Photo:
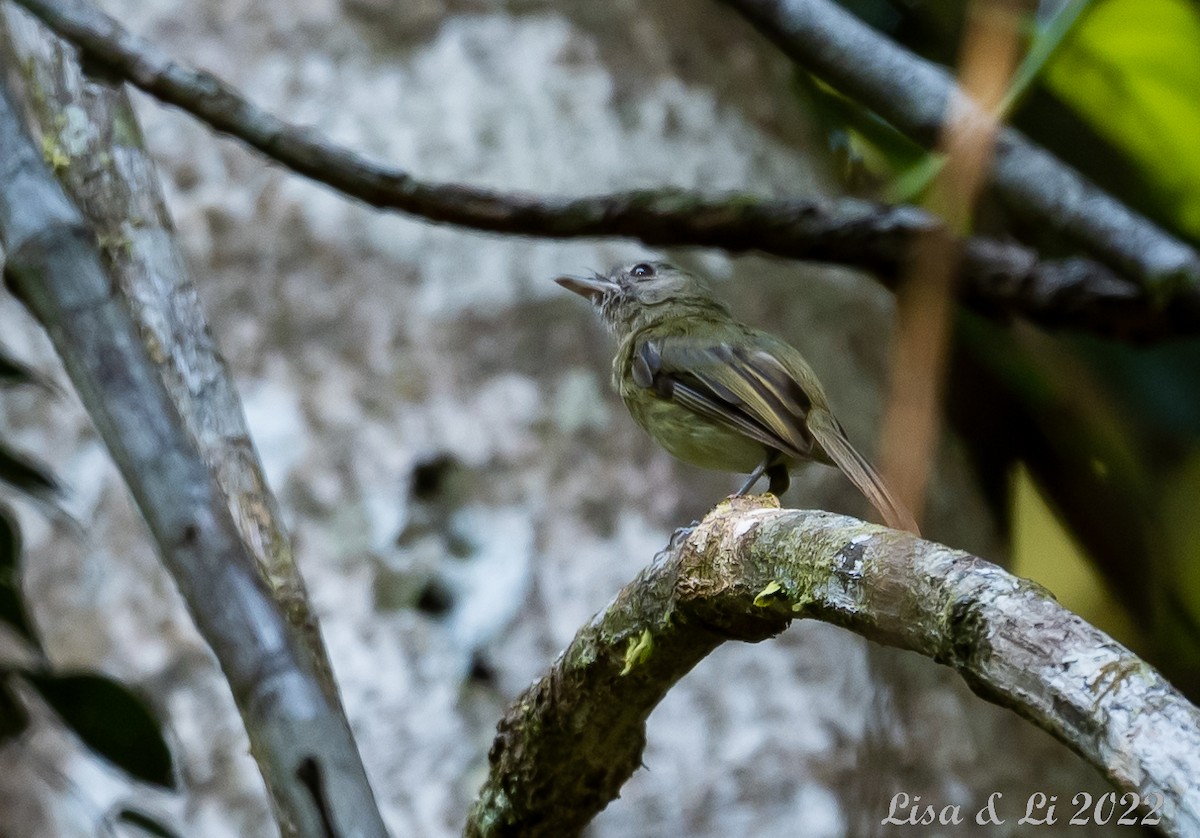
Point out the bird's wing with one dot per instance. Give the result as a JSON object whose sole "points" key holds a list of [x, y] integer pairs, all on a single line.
{"points": [[832, 439], [751, 391], [746, 388]]}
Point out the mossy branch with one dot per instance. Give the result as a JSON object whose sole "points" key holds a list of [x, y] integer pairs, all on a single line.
{"points": [[299, 737], [565, 746], [104, 166]]}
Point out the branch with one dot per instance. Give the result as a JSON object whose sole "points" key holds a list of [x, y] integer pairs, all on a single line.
{"points": [[997, 278], [308, 757], [108, 173], [565, 747], [916, 96]]}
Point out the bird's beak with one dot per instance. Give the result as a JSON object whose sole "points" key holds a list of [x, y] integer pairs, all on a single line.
{"points": [[594, 287]]}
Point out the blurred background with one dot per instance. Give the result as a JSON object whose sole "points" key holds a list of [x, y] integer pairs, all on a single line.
{"points": [[465, 490]]}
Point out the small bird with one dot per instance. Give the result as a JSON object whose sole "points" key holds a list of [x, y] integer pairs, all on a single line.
{"points": [[717, 393]]}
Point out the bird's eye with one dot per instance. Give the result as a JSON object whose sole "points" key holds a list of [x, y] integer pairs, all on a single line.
{"points": [[641, 270]]}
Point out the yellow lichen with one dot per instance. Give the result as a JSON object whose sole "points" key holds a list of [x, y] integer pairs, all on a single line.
{"points": [[55, 157], [638, 651], [766, 593]]}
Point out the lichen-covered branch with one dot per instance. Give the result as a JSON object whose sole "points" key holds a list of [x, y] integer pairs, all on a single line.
{"points": [[302, 742], [917, 97], [996, 277], [104, 166], [566, 746]]}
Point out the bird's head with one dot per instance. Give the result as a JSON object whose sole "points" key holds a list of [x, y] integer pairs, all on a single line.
{"points": [[640, 294]]}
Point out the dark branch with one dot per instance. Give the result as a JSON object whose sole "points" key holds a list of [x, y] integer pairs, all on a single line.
{"points": [[565, 747], [998, 278], [916, 96]]}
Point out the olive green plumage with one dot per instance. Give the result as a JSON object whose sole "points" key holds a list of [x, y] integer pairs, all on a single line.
{"points": [[717, 393]]}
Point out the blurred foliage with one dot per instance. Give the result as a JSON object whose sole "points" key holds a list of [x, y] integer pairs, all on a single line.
{"points": [[1089, 449], [14, 718], [1037, 533], [25, 473], [146, 823], [112, 721], [911, 182], [1131, 69], [18, 470], [1108, 85], [14, 372], [866, 151], [1179, 622], [12, 604]]}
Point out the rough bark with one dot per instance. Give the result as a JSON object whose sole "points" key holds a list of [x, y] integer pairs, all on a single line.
{"points": [[303, 744], [566, 746], [91, 131]]}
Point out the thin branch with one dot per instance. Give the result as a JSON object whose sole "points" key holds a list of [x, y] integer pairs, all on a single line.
{"points": [[565, 747], [916, 96], [304, 746], [997, 278]]}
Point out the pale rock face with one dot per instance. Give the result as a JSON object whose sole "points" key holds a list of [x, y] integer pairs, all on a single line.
{"points": [[435, 416]]}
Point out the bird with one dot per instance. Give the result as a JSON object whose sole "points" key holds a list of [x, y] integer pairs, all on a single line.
{"points": [[718, 393]]}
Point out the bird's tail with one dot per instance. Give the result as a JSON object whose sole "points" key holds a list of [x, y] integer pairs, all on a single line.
{"points": [[832, 439]]}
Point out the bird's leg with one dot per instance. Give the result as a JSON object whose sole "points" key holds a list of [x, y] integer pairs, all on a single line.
{"points": [[778, 474], [754, 475], [773, 466]]}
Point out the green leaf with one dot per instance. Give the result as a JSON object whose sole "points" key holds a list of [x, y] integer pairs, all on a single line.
{"points": [[146, 823], [14, 718], [1131, 69], [1045, 45], [24, 473], [856, 133], [912, 182], [12, 604], [112, 721], [910, 185]]}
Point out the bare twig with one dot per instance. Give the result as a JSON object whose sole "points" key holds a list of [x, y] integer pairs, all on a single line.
{"points": [[915, 96], [569, 742], [998, 278], [309, 759]]}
